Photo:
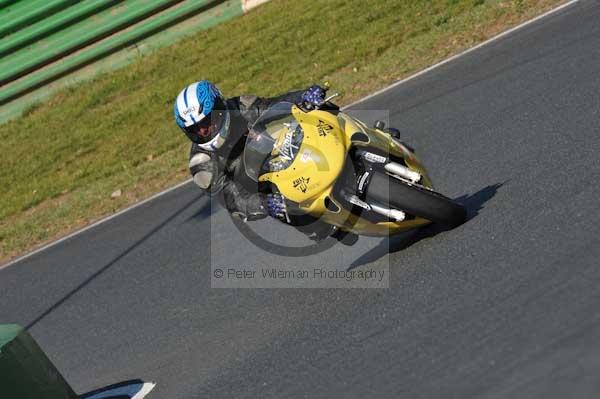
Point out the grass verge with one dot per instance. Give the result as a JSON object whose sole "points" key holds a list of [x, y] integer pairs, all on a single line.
{"points": [[63, 160]]}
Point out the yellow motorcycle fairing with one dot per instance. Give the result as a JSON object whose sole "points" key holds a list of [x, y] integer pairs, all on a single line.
{"points": [[319, 161], [310, 178]]}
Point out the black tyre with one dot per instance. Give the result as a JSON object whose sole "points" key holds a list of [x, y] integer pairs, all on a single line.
{"points": [[415, 200]]}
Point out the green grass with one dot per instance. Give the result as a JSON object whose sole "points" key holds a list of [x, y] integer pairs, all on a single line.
{"points": [[63, 159]]}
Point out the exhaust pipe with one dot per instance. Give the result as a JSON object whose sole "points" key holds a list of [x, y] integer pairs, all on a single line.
{"points": [[402, 171], [395, 214]]}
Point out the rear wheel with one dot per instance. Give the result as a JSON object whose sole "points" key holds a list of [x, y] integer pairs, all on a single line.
{"points": [[415, 200]]}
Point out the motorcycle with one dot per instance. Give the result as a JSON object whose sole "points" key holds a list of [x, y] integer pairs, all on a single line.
{"points": [[331, 166]]}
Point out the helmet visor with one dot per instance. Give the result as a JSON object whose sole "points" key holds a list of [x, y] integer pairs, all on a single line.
{"points": [[213, 124]]}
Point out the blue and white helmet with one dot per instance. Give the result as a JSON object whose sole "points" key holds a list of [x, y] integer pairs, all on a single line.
{"points": [[201, 112]]}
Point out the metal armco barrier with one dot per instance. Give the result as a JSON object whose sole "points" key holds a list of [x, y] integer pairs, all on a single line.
{"points": [[77, 36], [25, 371], [99, 50], [6, 3], [52, 24], [62, 45], [23, 13]]}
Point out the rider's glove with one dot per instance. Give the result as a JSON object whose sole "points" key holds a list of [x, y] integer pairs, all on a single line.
{"points": [[313, 97], [275, 204]]}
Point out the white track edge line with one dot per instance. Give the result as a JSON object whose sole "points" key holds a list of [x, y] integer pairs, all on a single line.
{"points": [[393, 85], [146, 388]]}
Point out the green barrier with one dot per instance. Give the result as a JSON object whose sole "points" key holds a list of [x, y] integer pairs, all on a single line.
{"points": [[101, 49], [52, 24], [28, 94], [126, 56], [79, 35], [24, 13], [5, 3], [25, 371]]}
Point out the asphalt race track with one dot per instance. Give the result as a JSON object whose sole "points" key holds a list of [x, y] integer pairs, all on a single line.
{"points": [[505, 306]]}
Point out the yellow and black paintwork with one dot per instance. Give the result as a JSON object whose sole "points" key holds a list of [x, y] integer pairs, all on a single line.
{"points": [[310, 178]]}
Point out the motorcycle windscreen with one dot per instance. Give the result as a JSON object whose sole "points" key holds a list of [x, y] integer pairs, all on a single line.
{"points": [[273, 141]]}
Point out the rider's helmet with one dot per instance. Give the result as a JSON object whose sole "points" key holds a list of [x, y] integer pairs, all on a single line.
{"points": [[201, 113]]}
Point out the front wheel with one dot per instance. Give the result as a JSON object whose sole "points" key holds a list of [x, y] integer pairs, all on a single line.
{"points": [[415, 200]]}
